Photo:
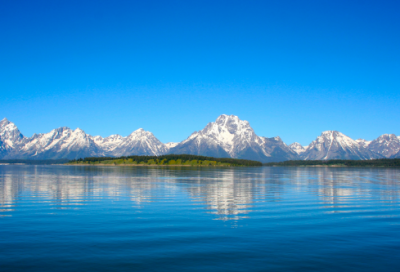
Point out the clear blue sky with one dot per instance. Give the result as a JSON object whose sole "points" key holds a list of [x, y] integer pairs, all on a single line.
{"points": [[291, 68]]}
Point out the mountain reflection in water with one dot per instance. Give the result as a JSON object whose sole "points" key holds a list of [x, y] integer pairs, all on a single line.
{"points": [[229, 193]]}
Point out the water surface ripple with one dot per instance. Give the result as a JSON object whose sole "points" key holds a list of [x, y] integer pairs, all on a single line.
{"points": [[75, 218]]}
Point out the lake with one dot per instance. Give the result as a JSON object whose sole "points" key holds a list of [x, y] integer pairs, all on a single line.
{"points": [[76, 218]]}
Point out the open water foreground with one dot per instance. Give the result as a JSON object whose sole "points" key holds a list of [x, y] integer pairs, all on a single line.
{"points": [[74, 218]]}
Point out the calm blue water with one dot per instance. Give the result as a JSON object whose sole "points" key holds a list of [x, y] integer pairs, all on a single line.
{"points": [[66, 218]]}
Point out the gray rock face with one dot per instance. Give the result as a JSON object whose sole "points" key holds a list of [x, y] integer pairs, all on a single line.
{"points": [[276, 150], [387, 145], [72, 144], [231, 137], [397, 155], [363, 143], [228, 136], [9, 132], [139, 142], [335, 145], [58, 143], [109, 143], [297, 148], [3, 150], [10, 137]]}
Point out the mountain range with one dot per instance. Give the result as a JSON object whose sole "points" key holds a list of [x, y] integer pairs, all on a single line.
{"points": [[228, 136]]}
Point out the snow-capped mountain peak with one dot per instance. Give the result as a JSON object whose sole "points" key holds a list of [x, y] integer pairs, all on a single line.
{"points": [[363, 143], [139, 142], [387, 145], [98, 139], [62, 142], [9, 134], [296, 147], [80, 131], [227, 131], [229, 136], [139, 133], [109, 143], [333, 144]]}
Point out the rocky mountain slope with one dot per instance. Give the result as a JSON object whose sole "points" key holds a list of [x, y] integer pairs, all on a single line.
{"points": [[363, 143], [231, 137], [72, 144], [387, 145], [228, 137], [139, 142], [335, 145], [59, 143], [298, 148], [10, 137]]}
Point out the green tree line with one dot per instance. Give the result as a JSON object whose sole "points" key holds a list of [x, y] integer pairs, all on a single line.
{"points": [[173, 159]]}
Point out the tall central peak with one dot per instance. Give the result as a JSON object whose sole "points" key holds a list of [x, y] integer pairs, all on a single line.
{"points": [[139, 131], [331, 132], [223, 119], [232, 123], [231, 137], [4, 123]]}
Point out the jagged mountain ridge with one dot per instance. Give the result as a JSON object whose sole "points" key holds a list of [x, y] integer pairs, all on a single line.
{"points": [[72, 144], [363, 143], [335, 145], [10, 137], [139, 142], [231, 137], [387, 145], [298, 148], [228, 136], [59, 143]]}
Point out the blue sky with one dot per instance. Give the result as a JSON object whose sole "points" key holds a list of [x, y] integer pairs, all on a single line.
{"points": [[291, 68]]}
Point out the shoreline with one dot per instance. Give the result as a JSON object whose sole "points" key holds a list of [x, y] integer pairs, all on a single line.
{"points": [[361, 166], [148, 165]]}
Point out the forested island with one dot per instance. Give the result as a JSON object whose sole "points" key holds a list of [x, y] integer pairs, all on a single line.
{"points": [[165, 160], [338, 163]]}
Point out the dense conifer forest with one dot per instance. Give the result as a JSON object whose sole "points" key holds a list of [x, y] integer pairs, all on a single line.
{"points": [[360, 163], [184, 160]]}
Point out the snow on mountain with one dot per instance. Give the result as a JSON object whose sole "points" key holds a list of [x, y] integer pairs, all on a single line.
{"points": [[171, 145], [229, 136], [363, 143], [386, 145], [110, 143], [10, 137], [66, 143], [139, 142], [335, 145], [296, 147], [276, 150], [9, 134], [60, 143]]}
